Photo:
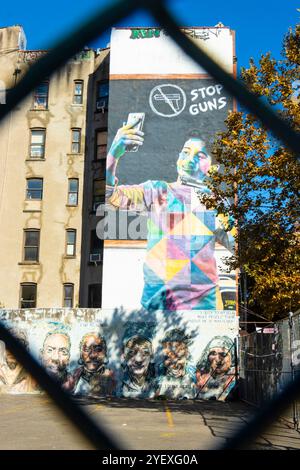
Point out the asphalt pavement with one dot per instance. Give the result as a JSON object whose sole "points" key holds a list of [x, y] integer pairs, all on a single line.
{"points": [[33, 422]]}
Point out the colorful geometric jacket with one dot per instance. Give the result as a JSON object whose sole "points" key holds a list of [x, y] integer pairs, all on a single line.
{"points": [[180, 271]]}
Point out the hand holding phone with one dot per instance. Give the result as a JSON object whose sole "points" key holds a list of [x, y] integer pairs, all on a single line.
{"points": [[136, 122], [129, 137]]}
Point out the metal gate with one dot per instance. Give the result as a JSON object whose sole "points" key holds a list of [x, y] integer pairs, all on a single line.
{"points": [[269, 361]]}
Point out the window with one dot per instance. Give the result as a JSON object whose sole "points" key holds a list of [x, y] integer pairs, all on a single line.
{"points": [[102, 96], [102, 168], [71, 242], [37, 143], [31, 245], [101, 143], [94, 295], [68, 295], [28, 295], [76, 140], [40, 96], [98, 193], [73, 192], [34, 188], [96, 244], [78, 92]]}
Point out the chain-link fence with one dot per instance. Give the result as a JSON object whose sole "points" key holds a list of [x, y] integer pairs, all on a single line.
{"points": [[44, 67], [269, 360]]}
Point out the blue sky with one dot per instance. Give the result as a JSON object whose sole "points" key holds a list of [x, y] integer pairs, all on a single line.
{"points": [[259, 24]]}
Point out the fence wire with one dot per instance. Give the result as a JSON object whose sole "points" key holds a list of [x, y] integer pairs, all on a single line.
{"points": [[268, 362], [52, 61]]}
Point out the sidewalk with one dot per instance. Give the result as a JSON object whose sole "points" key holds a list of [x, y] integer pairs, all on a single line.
{"points": [[33, 422]]}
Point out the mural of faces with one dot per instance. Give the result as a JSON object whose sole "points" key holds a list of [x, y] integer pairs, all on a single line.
{"points": [[93, 352], [11, 361], [7, 357], [137, 356], [13, 377], [220, 360], [176, 352], [92, 377], [55, 354], [145, 369], [215, 371], [176, 380], [175, 357]]}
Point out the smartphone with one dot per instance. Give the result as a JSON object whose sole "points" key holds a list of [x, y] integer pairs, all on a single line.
{"points": [[139, 119]]}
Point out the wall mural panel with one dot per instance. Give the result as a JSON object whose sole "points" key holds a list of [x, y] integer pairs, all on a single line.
{"points": [[163, 118], [94, 353]]}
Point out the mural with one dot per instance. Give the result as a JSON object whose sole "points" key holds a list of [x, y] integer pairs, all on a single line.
{"points": [[13, 377], [92, 377], [55, 355], [164, 113], [180, 271], [105, 353], [139, 379], [216, 369], [177, 378]]}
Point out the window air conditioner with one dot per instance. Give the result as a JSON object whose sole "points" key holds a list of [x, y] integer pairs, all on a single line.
{"points": [[101, 105], [96, 205], [95, 257]]}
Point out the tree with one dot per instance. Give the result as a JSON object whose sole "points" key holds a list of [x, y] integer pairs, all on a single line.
{"points": [[258, 184]]}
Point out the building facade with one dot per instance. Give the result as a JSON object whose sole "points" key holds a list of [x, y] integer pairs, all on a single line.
{"points": [[53, 149], [175, 340]]}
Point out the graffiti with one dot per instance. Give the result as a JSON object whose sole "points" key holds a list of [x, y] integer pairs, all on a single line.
{"points": [[203, 34], [177, 378], [82, 55], [92, 377], [137, 33], [180, 271], [31, 56], [216, 369], [114, 353], [13, 377]]}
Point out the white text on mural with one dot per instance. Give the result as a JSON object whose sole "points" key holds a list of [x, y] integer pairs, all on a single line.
{"points": [[208, 99]]}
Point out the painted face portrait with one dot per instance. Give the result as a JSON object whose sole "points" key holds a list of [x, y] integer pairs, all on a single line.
{"points": [[219, 360], [137, 355], [93, 352], [193, 161], [175, 357], [56, 354], [10, 359]]}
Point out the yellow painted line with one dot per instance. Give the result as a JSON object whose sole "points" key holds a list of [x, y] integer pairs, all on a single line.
{"points": [[167, 434], [97, 408], [169, 417]]}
